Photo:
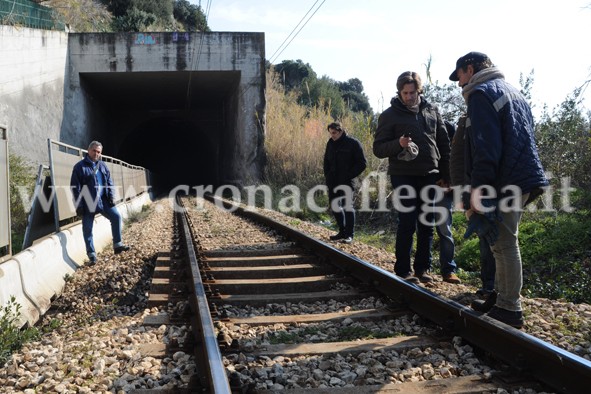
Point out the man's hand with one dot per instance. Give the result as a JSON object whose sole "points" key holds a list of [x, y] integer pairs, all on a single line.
{"points": [[404, 140], [443, 184], [110, 201], [484, 227]]}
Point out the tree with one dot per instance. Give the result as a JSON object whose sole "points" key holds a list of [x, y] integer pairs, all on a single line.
{"points": [[117, 7], [352, 85], [299, 77], [190, 16], [293, 74], [564, 141], [134, 20], [140, 15], [448, 99], [325, 93], [352, 93], [162, 9]]}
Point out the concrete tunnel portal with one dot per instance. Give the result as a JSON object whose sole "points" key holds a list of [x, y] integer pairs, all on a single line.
{"points": [[174, 124], [191, 116]]}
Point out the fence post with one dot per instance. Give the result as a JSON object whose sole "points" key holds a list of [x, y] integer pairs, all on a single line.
{"points": [[5, 235]]}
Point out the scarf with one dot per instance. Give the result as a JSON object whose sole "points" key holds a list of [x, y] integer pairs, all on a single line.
{"points": [[480, 77], [414, 107]]}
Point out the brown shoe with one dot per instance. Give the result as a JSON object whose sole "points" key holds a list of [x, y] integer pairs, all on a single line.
{"points": [[424, 277], [452, 278]]}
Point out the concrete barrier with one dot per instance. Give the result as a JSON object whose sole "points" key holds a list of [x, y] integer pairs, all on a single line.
{"points": [[37, 275]]}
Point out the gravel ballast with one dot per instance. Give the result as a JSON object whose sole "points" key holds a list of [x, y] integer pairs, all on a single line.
{"points": [[97, 347]]}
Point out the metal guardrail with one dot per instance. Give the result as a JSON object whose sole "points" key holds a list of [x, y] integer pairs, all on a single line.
{"points": [[29, 14], [5, 238], [130, 181]]}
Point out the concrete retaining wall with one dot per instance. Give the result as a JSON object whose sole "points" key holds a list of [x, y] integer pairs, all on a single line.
{"points": [[36, 275], [32, 70]]}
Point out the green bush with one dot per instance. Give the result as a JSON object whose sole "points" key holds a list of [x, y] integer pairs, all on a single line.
{"points": [[22, 179], [12, 337], [556, 256]]}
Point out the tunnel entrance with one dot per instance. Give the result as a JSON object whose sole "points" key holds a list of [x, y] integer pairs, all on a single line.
{"points": [[179, 125], [175, 151]]}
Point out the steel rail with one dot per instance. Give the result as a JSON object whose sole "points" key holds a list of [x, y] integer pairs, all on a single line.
{"points": [[215, 372], [556, 367]]}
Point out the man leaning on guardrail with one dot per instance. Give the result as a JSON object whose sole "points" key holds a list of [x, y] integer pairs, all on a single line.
{"points": [[94, 192]]}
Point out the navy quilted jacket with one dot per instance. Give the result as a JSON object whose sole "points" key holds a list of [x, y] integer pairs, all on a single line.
{"points": [[500, 139], [84, 178]]}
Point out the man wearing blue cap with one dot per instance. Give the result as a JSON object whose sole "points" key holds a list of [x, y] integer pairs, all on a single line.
{"points": [[502, 165]]}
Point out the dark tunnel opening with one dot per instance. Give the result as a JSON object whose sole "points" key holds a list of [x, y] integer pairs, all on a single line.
{"points": [[180, 126], [175, 151]]}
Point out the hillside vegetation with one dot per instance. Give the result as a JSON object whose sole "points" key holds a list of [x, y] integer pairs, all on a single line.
{"points": [[84, 16]]}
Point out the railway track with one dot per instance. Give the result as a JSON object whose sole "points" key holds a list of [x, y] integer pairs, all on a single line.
{"points": [[290, 313]]}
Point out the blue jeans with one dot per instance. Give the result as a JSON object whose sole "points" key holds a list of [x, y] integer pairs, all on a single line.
{"points": [[419, 219], [113, 216], [446, 240]]}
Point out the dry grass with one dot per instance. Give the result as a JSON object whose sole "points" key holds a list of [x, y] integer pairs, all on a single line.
{"points": [[296, 139]]}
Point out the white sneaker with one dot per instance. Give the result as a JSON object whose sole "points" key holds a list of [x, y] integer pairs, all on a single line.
{"points": [[347, 240]]}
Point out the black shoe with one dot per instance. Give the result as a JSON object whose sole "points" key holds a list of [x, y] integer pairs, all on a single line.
{"points": [[512, 318], [485, 305], [484, 293], [410, 278], [122, 248], [424, 277], [92, 260], [337, 236]]}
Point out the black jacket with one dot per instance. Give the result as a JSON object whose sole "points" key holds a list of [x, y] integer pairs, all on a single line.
{"points": [[343, 161], [457, 166], [426, 129]]}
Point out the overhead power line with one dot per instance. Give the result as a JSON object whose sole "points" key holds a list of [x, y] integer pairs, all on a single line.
{"points": [[195, 58], [283, 45]]}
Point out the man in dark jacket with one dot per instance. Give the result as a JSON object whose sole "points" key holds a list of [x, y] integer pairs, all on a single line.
{"points": [[94, 192], [412, 135], [503, 170], [343, 161]]}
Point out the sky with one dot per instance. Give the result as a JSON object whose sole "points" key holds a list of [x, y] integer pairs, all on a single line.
{"points": [[377, 40]]}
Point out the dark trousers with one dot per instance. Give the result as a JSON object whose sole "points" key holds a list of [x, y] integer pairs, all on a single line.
{"points": [[341, 205], [419, 219], [487, 265], [446, 240]]}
